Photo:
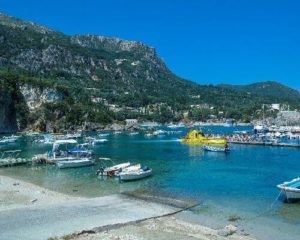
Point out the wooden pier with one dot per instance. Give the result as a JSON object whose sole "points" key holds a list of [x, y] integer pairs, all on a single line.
{"points": [[8, 162], [267, 144], [10, 158]]}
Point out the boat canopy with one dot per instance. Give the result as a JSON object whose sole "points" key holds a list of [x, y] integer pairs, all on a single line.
{"points": [[77, 150], [57, 143], [66, 141]]}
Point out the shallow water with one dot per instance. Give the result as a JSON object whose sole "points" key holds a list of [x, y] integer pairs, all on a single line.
{"points": [[242, 182]]}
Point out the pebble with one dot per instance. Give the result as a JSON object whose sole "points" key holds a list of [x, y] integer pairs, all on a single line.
{"points": [[227, 230]]}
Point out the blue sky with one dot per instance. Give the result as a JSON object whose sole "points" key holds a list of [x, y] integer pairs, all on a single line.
{"points": [[207, 41]]}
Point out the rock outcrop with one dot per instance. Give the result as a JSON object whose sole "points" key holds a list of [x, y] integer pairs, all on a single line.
{"points": [[35, 97], [8, 122]]}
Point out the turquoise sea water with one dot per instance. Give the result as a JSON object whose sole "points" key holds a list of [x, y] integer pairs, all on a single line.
{"points": [[242, 182]]}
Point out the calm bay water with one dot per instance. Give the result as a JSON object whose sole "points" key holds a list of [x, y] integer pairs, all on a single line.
{"points": [[242, 182]]}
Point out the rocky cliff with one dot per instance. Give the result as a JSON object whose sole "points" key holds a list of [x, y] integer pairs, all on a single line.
{"points": [[35, 96], [8, 121]]}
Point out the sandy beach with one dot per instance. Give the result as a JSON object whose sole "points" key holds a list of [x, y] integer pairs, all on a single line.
{"points": [[17, 195]]}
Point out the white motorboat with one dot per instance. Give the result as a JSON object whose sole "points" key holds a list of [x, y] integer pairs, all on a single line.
{"points": [[74, 163], [291, 189], [11, 139], [138, 173], [159, 132], [216, 148], [133, 133], [148, 135], [179, 125], [113, 170], [73, 135], [103, 134], [99, 141], [117, 133]]}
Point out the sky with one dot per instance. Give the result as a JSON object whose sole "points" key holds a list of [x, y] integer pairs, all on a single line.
{"points": [[206, 41]]}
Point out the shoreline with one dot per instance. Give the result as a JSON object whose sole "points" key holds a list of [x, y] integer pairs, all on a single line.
{"points": [[18, 195], [124, 127]]}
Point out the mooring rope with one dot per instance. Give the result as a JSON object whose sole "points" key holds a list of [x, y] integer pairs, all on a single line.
{"points": [[268, 210]]}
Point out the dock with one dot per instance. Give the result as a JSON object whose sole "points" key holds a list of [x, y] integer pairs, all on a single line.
{"points": [[10, 158], [266, 144], [8, 162]]}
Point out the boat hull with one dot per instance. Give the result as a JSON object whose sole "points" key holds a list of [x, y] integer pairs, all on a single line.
{"points": [[135, 176], [292, 196], [215, 149], [74, 163], [291, 190]]}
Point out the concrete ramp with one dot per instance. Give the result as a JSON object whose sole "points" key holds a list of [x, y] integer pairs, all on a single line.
{"points": [[56, 220]]}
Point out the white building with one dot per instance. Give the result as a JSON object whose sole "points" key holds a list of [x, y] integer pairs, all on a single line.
{"points": [[131, 121]]}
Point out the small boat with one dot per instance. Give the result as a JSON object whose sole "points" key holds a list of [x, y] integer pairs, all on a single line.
{"points": [[291, 189], [216, 148], [11, 139], [149, 135], [180, 125], [99, 141], [133, 133], [103, 134], [62, 152], [113, 170], [74, 163], [140, 173], [117, 132], [159, 132], [73, 135]]}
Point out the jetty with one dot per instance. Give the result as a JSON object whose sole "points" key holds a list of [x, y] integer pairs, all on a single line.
{"points": [[9, 158], [270, 144]]}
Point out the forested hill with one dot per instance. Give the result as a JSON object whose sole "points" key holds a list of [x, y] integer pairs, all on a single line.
{"points": [[270, 89], [66, 81]]}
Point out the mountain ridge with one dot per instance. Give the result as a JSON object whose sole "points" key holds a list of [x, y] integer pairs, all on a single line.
{"points": [[267, 88]]}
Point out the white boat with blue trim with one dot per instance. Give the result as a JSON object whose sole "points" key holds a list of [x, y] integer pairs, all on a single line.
{"points": [[291, 189]]}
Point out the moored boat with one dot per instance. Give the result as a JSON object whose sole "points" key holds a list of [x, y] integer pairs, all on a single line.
{"points": [[291, 189], [10, 139], [113, 170], [208, 148], [138, 173], [74, 163], [99, 141], [179, 125]]}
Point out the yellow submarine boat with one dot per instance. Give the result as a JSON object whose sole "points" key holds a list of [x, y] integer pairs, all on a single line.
{"points": [[197, 137]]}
